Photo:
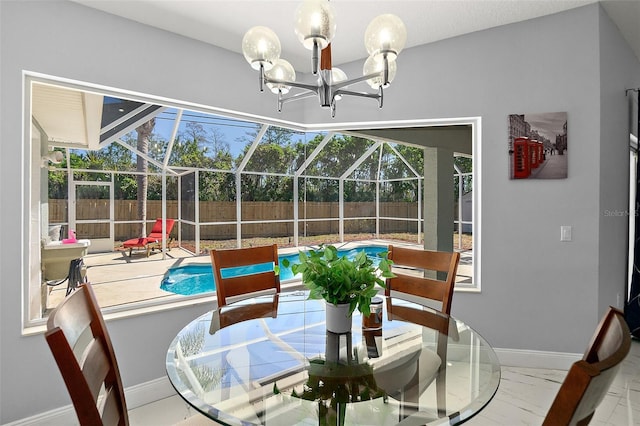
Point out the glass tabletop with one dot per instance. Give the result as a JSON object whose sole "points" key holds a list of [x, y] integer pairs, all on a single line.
{"points": [[270, 360]]}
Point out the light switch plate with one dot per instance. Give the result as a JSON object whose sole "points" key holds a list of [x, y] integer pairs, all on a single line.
{"points": [[565, 233]]}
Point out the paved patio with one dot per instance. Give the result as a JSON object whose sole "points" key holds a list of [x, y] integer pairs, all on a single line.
{"points": [[118, 279]]}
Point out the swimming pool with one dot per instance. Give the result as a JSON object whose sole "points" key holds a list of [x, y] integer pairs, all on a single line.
{"points": [[197, 278]]}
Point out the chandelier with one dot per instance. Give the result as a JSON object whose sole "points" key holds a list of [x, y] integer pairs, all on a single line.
{"points": [[315, 27]]}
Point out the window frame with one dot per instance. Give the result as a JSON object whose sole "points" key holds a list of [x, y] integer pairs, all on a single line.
{"points": [[31, 225]]}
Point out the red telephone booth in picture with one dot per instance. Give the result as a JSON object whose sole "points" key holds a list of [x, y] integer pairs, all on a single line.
{"points": [[521, 162], [533, 154]]}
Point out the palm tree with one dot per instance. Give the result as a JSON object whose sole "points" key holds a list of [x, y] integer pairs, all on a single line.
{"points": [[142, 166]]}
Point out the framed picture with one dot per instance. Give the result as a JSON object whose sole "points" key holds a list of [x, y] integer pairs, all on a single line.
{"points": [[538, 146]]}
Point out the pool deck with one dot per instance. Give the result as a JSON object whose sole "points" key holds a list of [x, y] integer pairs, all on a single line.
{"points": [[118, 279]]}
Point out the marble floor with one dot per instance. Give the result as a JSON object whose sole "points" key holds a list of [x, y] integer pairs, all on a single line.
{"points": [[523, 398]]}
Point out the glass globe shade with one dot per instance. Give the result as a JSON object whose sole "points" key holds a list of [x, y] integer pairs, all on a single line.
{"points": [[314, 21], [376, 65], [281, 70], [385, 34], [261, 45], [337, 75]]}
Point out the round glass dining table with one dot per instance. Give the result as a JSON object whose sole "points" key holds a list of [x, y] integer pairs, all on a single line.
{"points": [[269, 360]]}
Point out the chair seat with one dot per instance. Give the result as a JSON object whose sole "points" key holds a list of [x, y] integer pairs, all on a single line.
{"points": [[145, 243], [138, 242]]}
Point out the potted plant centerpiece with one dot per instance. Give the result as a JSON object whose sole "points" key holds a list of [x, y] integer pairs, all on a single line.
{"points": [[346, 284]]}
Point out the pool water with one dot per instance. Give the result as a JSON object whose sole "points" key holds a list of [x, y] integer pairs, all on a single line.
{"points": [[197, 278]]}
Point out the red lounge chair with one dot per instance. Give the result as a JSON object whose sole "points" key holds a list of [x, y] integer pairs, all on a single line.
{"points": [[152, 241]]}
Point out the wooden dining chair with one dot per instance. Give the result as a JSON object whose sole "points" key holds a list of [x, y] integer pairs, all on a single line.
{"points": [[589, 379], [436, 278], [253, 271], [81, 346]]}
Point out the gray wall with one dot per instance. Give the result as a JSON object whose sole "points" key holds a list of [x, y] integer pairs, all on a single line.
{"points": [[618, 71], [531, 282]]}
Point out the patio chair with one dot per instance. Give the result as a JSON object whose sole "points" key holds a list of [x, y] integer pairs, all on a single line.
{"points": [[239, 272], [81, 346], [438, 288], [589, 379], [151, 241]]}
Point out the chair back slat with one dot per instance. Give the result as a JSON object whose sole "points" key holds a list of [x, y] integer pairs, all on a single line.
{"points": [[74, 318], [95, 367], [605, 347], [250, 281], [417, 286], [111, 411], [439, 261], [81, 346], [595, 392], [245, 256], [236, 286], [424, 282], [589, 379], [435, 321]]}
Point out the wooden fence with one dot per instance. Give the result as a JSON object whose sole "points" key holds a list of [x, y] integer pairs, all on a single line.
{"points": [[213, 211]]}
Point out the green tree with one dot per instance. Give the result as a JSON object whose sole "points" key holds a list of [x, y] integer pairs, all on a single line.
{"points": [[275, 153], [395, 168], [206, 149]]}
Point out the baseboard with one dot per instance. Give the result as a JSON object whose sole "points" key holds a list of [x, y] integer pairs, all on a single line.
{"points": [[136, 396], [536, 359], [148, 392], [59, 416], [161, 388]]}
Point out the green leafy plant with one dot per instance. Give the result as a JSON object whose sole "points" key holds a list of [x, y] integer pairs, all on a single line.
{"points": [[339, 279]]}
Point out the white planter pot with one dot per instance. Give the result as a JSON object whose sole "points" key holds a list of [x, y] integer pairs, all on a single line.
{"points": [[338, 318]]}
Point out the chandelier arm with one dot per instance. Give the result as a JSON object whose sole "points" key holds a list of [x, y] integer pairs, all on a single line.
{"points": [[310, 87], [349, 82], [376, 96], [297, 97]]}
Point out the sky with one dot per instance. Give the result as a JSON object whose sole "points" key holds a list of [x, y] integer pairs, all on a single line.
{"points": [[231, 129], [547, 124]]}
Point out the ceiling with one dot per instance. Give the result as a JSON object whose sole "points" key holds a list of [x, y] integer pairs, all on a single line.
{"points": [[224, 22], [68, 117]]}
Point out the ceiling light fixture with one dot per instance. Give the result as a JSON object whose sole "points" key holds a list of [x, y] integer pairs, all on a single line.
{"points": [[315, 27]]}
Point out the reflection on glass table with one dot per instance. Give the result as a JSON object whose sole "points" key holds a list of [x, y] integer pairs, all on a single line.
{"points": [[270, 360]]}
